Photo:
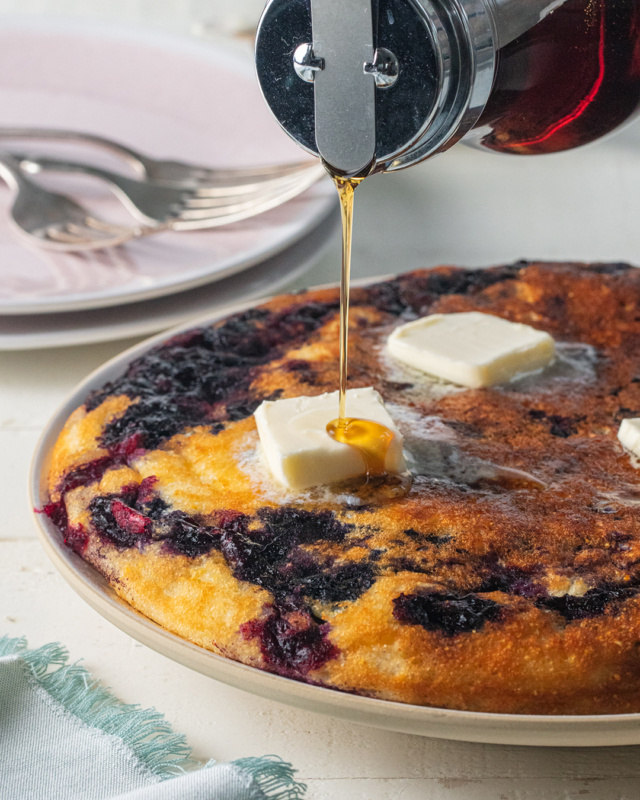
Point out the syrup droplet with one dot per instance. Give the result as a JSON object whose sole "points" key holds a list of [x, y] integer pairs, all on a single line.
{"points": [[371, 439]]}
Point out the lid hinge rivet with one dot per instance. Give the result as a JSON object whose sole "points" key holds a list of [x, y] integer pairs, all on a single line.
{"points": [[385, 68], [306, 64]]}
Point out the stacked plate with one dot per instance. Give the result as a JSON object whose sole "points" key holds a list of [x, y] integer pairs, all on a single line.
{"points": [[171, 98]]}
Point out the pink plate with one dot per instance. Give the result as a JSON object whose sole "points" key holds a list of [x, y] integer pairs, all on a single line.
{"points": [[170, 97]]}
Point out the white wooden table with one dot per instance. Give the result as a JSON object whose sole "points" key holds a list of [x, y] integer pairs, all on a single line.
{"points": [[462, 208]]}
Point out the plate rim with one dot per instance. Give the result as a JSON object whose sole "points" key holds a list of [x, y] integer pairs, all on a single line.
{"points": [[212, 51], [606, 730]]}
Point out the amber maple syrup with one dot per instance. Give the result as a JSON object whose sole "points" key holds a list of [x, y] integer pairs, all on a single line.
{"points": [[371, 439], [569, 80]]}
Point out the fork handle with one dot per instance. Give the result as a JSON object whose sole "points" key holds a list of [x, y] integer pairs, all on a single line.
{"points": [[134, 159], [59, 165]]}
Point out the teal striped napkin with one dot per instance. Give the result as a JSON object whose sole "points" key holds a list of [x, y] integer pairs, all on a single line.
{"points": [[64, 737]]}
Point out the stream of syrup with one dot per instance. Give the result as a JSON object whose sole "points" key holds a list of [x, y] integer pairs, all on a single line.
{"points": [[371, 439]]}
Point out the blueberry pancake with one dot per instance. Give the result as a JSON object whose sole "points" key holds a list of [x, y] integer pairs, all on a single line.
{"points": [[507, 579]]}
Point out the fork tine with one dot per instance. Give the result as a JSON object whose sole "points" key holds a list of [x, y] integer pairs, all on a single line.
{"points": [[204, 200], [248, 209], [200, 219], [317, 171], [216, 213], [241, 189], [226, 202], [195, 210], [215, 176], [288, 189]]}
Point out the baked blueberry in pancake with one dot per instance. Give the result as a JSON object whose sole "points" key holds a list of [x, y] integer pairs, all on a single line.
{"points": [[506, 579]]}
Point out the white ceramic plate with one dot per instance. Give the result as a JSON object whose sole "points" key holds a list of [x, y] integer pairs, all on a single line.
{"points": [[37, 331], [557, 731], [169, 97]]}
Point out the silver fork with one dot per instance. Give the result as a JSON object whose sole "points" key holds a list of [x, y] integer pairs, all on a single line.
{"points": [[186, 208], [56, 222], [160, 171]]}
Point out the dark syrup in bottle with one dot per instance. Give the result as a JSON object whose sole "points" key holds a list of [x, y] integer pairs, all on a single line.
{"points": [[569, 80]]}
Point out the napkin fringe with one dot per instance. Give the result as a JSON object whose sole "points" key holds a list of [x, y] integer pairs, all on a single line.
{"points": [[144, 731], [273, 776]]}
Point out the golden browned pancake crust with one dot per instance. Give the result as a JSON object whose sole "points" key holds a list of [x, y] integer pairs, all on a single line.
{"points": [[506, 580]]}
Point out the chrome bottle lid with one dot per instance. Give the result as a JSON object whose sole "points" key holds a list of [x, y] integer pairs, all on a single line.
{"points": [[372, 85], [378, 85]]}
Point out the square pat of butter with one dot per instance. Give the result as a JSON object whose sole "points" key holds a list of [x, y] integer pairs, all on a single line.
{"points": [[299, 451], [470, 348], [629, 435]]}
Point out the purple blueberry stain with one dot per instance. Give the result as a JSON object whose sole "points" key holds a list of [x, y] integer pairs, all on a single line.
{"points": [[291, 642], [198, 376], [447, 613], [592, 604]]}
